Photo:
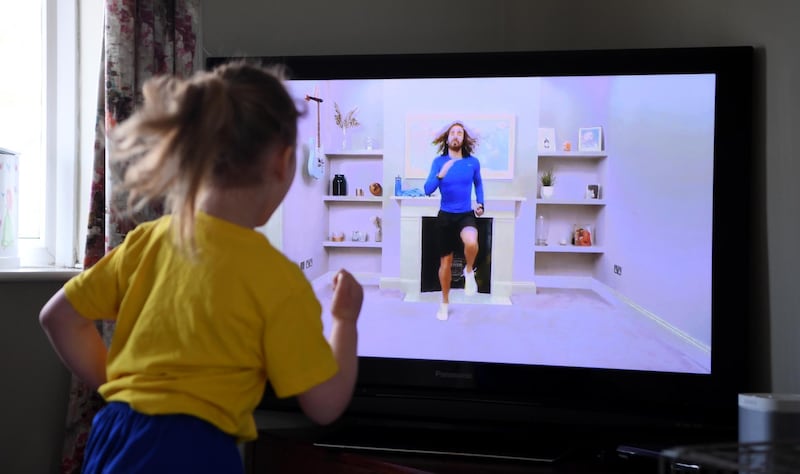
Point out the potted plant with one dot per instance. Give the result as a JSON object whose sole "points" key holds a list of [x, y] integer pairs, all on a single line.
{"points": [[548, 180]]}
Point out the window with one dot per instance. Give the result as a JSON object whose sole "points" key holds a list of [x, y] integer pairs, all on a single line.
{"points": [[47, 111], [22, 106]]}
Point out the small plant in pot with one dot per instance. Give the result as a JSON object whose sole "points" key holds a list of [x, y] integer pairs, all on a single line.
{"points": [[548, 180]]}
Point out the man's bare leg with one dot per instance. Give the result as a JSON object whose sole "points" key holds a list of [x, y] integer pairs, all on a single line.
{"points": [[445, 276], [469, 235]]}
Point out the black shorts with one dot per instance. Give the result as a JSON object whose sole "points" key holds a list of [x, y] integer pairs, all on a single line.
{"points": [[449, 226]]}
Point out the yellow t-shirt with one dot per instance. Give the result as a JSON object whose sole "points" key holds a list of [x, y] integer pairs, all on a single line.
{"points": [[202, 337]]}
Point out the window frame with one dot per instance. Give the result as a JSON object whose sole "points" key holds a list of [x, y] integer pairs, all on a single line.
{"points": [[58, 244]]}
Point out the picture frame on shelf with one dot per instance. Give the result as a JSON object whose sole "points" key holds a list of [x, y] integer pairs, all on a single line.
{"points": [[590, 139], [593, 191], [547, 140], [583, 235]]}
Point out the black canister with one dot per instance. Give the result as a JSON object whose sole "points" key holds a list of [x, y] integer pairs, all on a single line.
{"points": [[339, 185]]}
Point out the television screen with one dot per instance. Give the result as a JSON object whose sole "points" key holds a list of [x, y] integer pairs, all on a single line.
{"points": [[617, 284], [612, 271]]}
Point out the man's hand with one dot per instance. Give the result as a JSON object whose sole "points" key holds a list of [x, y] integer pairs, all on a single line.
{"points": [[445, 168], [479, 210]]}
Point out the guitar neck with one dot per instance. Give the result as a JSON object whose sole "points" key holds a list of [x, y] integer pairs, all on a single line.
{"points": [[318, 137]]}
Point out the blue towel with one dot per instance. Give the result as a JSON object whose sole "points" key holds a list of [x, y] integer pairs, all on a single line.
{"points": [[415, 192]]}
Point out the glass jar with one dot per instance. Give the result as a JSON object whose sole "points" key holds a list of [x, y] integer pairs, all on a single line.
{"points": [[339, 185]]}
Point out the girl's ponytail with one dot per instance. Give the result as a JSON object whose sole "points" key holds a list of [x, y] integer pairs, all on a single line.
{"points": [[209, 130]]}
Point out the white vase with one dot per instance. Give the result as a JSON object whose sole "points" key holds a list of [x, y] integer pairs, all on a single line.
{"points": [[547, 192]]}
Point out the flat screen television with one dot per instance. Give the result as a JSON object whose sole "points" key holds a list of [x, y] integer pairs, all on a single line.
{"points": [[614, 309]]}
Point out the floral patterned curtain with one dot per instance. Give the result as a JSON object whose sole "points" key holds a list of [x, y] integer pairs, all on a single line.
{"points": [[142, 38]]}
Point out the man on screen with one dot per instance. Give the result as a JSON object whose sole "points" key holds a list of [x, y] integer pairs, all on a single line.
{"points": [[454, 172]]}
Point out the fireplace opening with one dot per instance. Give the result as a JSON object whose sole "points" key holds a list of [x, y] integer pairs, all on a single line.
{"points": [[429, 271]]}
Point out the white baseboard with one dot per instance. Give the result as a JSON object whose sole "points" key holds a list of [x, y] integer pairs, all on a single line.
{"points": [[609, 293]]}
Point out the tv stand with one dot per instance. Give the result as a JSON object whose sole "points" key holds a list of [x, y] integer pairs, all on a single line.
{"points": [[402, 446], [383, 436], [543, 455], [277, 453]]}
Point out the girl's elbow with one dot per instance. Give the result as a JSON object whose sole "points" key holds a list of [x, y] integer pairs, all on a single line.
{"points": [[324, 415], [324, 419], [46, 318]]}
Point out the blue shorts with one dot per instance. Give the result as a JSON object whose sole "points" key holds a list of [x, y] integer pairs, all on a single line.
{"points": [[125, 441]]}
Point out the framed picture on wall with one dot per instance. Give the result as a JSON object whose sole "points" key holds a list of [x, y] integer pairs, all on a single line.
{"points": [[494, 135], [590, 139]]}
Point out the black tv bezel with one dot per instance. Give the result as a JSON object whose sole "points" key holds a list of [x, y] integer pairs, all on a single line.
{"points": [[505, 392]]}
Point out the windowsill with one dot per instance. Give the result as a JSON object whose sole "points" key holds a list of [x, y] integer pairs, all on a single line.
{"points": [[44, 273]]}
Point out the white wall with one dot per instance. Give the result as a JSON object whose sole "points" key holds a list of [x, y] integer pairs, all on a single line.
{"points": [[363, 26]]}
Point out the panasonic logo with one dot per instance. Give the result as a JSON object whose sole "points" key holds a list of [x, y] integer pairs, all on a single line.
{"points": [[453, 375]]}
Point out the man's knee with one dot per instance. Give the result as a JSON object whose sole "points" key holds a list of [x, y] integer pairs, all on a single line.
{"points": [[470, 240]]}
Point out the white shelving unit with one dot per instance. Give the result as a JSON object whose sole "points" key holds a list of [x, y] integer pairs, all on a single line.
{"points": [[575, 155], [569, 207], [569, 248], [353, 245], [570, 202], [376, 199], [354, 213], [355, 154]]}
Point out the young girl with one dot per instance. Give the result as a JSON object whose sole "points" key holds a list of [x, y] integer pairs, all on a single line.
{"points": [[206, 309]]}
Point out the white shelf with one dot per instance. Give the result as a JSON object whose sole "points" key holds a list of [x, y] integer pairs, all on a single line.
{"points": [[571, 202], [353, 244], [355, 154], [561, 210], [574, 154], [375, 199], [363, 166], [556, 248]]}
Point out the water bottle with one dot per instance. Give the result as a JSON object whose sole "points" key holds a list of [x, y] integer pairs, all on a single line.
{"points": [[398, 185], [541, 231]]}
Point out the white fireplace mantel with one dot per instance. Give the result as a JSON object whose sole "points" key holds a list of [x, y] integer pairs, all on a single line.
{"points": [[433, 201], [503, 211]]}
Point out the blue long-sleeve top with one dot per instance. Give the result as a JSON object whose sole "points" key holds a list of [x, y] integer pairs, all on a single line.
{"points": [[456, 186]]}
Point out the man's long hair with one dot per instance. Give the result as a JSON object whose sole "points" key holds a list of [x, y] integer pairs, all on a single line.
{"points": [[469, 144]]}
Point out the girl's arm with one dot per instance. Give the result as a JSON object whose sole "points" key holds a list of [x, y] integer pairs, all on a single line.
{"points": [[325, 402], [75, 339]]}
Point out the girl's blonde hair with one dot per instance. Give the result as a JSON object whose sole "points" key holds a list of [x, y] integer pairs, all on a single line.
{"points": [[212, 129]]}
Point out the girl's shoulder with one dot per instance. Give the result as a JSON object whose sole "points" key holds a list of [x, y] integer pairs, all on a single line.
{"points": [[145, 232]]}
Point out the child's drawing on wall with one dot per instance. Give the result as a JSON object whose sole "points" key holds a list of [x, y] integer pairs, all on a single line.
{"points": [[6, 230]]}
